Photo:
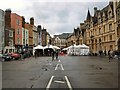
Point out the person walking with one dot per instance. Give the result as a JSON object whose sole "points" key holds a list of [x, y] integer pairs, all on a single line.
{"points": [[53, 55], [56, 55], [110, 55], [105, 53]]}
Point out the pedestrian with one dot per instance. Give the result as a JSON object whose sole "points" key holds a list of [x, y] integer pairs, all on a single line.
{"points": [[110, 55], [53, 55], [35, 53], [56, 55], [22, 53], [105, 53]]}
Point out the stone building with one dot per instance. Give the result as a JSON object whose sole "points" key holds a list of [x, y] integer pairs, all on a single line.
{"points": [[117, 10], [61, 40], [44, 37], [35, 32], [39, 30], [101, 29]]}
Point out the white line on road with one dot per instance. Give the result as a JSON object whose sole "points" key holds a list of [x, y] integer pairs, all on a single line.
{"points": [[56, 67], [59, 81], [48, 86], [68, 83], [59, 60], [62, 66]]}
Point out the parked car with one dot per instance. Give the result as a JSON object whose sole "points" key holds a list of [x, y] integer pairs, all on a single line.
{"points": [[6, 57], [15, 55]]}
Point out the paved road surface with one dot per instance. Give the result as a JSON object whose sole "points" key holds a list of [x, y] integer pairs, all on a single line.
{"points": [[67, 72]]}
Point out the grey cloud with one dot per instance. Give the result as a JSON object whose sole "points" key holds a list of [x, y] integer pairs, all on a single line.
{"points": [[61, 17]]}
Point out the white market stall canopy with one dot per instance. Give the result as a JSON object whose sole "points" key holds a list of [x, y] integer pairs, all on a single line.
{"points": [[55, 47], [84, 46], [65, 49], [49, 46], [38, 47], [78, 50]]}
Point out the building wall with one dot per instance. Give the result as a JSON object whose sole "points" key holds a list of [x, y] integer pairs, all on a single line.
{"points": [[35, 35], [26, 36], [48, 39], [44, 37], [71, 40], [102, 36], [2, 25], [30, 30], [118, 25], [16, 24]]}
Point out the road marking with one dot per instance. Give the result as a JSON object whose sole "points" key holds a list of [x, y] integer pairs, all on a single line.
{"points": [[62, 66], [59, 81], [68, 83], [59, 60], [56, 67], [48, 86]]}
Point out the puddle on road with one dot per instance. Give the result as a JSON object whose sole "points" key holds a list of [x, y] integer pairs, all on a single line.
{"points": [[96, 67]]}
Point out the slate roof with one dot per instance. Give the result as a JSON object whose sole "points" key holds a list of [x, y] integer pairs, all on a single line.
{"points": [[62, 36]]}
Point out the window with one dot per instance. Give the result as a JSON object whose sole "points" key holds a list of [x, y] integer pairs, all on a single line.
{"points": [[10, 42], [10, 34], [110, 27], [18, 40], [18, 22], [18, 31], [104, 29], [99, 31], [110, 14], [110, 37], [111, 46], [104, 38], [117, 32]]}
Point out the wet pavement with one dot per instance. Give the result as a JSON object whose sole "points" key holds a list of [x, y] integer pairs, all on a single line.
{"points": [[67, 72]]}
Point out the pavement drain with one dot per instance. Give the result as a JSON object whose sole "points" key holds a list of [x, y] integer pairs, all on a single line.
{"points": [[33, 78], [96, 67], [31, 86]]}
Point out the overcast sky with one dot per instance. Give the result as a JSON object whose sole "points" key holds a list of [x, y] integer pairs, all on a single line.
{"points": [[57, 16]]}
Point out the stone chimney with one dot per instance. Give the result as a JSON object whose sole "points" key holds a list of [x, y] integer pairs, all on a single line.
{"points": [[95, 9], [8, 18], [32, 21], [23, 21]]}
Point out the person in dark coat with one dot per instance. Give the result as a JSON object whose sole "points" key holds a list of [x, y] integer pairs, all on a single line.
{"points": [[110, 54], [105, 53], [53, 55], [56, 55]]}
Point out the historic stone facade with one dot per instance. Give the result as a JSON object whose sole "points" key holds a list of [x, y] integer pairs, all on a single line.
{"points": [[118, 23], [101, 29], [60, 40]]}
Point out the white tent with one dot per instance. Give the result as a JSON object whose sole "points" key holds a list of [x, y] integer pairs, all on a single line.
{"points": [[84, 46], [49, 47], [72, 50], [55, 47], [65, 49], [38, 47], [78, 50], [84, 50]]}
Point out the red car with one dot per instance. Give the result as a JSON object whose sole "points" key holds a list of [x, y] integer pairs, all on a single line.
{"points": [[15, 55]]}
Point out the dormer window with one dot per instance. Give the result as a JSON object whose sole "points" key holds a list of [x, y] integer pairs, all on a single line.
{"points": [[110, 14]]}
